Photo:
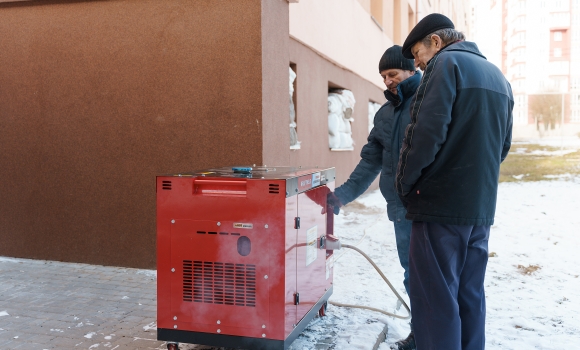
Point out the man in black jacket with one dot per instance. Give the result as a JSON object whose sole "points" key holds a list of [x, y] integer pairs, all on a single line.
{"points": [[381, 155], [447, 177]]}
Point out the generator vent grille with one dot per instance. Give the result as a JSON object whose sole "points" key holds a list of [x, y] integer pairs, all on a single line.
{"points": [[274, 188], [219, 283], [166, 185]]}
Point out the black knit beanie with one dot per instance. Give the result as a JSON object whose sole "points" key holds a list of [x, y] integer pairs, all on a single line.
{"points": [[393, 59], [426, 26]]}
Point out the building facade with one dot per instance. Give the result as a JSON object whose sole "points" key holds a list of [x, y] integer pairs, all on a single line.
{"points": [[541, 59], [99, 97]]}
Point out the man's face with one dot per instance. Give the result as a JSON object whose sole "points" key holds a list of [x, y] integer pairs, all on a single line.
{"points": [[393, 77], [423, 54]]}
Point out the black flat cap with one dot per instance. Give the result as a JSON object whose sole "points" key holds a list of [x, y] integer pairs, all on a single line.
{"points": [[426, 26]]}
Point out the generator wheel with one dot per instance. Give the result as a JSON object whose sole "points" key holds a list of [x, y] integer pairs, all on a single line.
{"points": [[322, 311], [172, 346]]}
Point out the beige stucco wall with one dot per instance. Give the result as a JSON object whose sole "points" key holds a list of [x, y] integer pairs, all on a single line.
{"points": [[343, 32]]}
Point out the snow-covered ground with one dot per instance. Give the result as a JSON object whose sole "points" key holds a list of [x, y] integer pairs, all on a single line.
{"points": [[532, 281], [554, 141]]}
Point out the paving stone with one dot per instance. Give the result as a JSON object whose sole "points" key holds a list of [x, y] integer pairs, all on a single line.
{"points": [[55, 305], [32, 346], [69, 343], [42, 339]]}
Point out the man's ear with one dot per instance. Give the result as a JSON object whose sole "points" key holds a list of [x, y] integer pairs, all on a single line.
{"points": [[436, 41]]}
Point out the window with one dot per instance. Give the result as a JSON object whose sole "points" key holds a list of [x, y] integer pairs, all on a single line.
{"points": [[519, 23], [557, 52], [520, 100], [559, 84], [520, 117], [520, 54], [377, 12], [559, 68], [575, 83], [340, 109], [576, 33], [520, 70], [294, 143], [521, 39], [559, 19], [373, 109], [576, 116], [558, 36]]}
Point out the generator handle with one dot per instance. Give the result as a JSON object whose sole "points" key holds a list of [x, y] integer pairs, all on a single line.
{"points": [[219, 182], [211, 187]]}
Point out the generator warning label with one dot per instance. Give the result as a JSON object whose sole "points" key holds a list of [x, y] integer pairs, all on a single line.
{"points": [[307, 182], [242, 225], [311, 248], [315, 179]]}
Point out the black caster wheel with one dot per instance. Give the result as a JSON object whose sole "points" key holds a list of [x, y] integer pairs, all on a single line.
{"points": [[322, 311], [172, 346]]}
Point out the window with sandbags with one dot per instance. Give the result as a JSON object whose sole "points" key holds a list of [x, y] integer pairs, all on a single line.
{"points": [[341, 103]]}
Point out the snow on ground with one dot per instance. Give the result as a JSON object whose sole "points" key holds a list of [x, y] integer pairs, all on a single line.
{"points": [[537, 228], [532, 281], [562, 152], [553, 141]]}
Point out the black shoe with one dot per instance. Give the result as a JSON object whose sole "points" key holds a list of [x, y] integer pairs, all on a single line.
{"points": [[406, 344]]}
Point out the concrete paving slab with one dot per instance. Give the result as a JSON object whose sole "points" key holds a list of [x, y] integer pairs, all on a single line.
{"points": [[55, 305]]}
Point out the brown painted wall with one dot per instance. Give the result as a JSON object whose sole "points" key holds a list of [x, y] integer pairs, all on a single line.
{"points": [[313, 75], [98, 97]]}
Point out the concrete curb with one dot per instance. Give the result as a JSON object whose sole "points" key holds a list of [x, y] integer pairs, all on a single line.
{"points": [[382, 337]]}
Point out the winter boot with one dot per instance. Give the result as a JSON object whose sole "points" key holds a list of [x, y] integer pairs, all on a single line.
{"points": [[406, 344]]}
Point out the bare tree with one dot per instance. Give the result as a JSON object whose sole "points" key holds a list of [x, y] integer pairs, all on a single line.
{"points": [[546, 109]]}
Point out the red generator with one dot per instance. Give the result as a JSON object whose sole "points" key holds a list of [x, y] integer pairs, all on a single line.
{"points": [[240, 255]]}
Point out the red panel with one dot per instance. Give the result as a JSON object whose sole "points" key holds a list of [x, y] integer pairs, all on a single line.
{"points": [[290, 263], [164, 198], [209, 271], [311, 261]]}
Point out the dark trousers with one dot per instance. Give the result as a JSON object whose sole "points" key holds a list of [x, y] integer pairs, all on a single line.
{"points": [[403, 239], [446, 272]]}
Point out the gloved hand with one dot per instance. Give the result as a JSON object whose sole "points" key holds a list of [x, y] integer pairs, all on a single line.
{"points": [[333, 202]]}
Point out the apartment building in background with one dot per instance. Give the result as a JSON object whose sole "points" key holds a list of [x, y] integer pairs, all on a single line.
{"points": [[541, 59], [99, 97]]}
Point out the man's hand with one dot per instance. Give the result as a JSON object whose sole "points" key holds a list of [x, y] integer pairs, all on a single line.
{"points": [[333, 202]]}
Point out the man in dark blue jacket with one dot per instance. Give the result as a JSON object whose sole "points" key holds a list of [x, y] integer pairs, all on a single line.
{"points": [[381, 154], [447, 177]]}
